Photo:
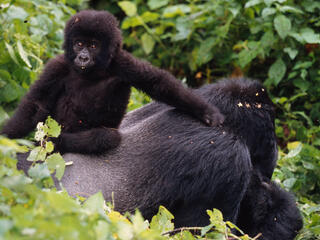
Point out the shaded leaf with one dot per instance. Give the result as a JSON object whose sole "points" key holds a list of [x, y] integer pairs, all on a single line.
{"points": [[39, 171], [277, 71], [291, 52]]}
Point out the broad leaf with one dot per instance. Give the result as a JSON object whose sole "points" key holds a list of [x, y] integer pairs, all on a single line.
{"points": [[128, 7], [277, 71], [147, 43], [283, 25]]}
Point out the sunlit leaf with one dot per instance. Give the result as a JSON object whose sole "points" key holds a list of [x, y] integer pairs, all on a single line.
{"points": [[37, 154], [23, 54], [147, 43], [56, 162], [128, 7], [54, 129]]}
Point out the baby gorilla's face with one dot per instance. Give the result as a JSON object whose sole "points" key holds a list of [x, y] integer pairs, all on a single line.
{"points": [[86, 52]]}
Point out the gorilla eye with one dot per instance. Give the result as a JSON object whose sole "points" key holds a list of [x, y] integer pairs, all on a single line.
{"points": [[80, 44], [93, 45]]}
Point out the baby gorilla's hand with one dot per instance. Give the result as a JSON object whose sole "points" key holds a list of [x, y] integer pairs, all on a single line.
{"points": [[212, 117]]}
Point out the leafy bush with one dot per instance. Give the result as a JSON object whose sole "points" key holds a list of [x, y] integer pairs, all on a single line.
{"points": [[299, 171], [272, 40]]}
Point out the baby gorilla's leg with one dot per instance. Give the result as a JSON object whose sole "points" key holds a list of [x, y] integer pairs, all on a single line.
{"points": [[93, 141]]}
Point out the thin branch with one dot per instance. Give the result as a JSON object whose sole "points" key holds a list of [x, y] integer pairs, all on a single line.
{"points": [[174, 231]]}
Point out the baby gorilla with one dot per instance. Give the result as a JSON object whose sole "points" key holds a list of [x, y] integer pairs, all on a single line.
{"points": [[87, 88]]}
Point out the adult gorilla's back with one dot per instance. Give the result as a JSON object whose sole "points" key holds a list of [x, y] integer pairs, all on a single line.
{"points": [[168, 158]]}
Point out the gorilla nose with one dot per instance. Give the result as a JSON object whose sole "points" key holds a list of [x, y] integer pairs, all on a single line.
{"points": [[84, 58]]}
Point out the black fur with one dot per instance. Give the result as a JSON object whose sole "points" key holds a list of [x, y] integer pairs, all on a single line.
{"points": [[87, 90], [168, 158], [270, 210]]}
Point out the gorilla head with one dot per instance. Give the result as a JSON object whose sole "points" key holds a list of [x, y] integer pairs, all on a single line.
{"points": [[270, 210], [92, 38]]}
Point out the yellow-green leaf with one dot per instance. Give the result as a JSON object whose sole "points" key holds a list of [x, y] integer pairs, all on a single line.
{"points": [[128, 7]]}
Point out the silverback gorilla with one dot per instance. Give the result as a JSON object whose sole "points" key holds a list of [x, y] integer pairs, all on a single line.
{"points": [[168, 158], [87, 89]]}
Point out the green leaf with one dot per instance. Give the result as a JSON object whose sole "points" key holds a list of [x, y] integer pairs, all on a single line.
{"points": [[291, 52], [154, 4], [268, 11], [162, 222], [149, 16], [304, 85], [39, 171], [37, 154], [302, 65], [267, 39], [95, 204], [147, 43], [205, 51], [288, 183], [252, 3], [23, 54], [283, 25], [10, 92], [277, 71], [206, 229], [290, 9], [49, 147], [176, 10], [131, 22], [11, 53], [17, 182], [139, 225], [15, 12], [308, 165], [56, 162], [128, 7], [247, 55], [54, 129], [5, 226], [184, 29], [309, 35], [3, 116], [294, 152]]}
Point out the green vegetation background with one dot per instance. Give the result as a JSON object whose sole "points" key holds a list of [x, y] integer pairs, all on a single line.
{"points": [[275, 41]]}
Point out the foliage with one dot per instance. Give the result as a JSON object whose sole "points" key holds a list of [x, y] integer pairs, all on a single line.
{"points": [[272, 40], [299, 171]]}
